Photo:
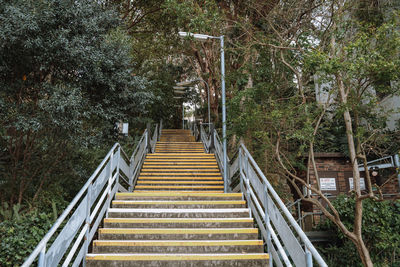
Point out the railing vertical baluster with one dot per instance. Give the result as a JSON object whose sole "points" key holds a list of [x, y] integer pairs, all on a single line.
{"points": [[309, 261], [246, 159], [299, 214], [160, 129], [148, 139], [118, 161], [109, 184], [211, 147], [241, 172], [131, 170], [267, 222], [87, 221], [42, 257]]}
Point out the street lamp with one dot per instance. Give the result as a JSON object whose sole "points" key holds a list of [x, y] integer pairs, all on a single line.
{"points": [[208, 92], [204, 37]]}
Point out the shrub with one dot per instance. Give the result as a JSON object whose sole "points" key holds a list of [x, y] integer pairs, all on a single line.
{"points": [[380, 230]]}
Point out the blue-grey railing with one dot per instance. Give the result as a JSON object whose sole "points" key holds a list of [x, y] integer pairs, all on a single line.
{"points": [[67, 242], [286, 242]]}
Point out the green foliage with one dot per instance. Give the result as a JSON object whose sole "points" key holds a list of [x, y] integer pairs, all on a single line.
{"points": [[380, 230], [20, 236], [65, 79]]}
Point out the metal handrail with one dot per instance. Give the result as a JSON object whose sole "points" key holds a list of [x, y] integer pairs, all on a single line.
{"points": [[154, 139], [251, 178], [81, 218], [204, 138], [286, 242], [137, 159], [89, 207]]}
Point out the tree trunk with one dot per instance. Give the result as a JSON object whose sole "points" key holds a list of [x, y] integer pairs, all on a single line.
{"points": [[358, 209], [362, 250]]}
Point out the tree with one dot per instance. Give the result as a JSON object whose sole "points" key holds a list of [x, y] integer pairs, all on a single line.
{"points": [[65, 78], [354, 57]]}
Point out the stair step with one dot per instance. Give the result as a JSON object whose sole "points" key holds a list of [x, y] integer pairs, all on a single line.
{"points": [[178, 191], [206, 170], [181, 161], [187, 204], [180, 182], [178, 166], [181, 178], [178, 223], [178, 260], [178, 233], [177, 213], [179, 187], [180, 173], [179, 195], [178, 246]]}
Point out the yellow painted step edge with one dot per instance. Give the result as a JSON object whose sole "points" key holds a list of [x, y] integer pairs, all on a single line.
{"points": [[179, 173], [205, 155], [178, 231], [189, 202], [175, 257], [178, 191], [171, 170], [181, 178], [101, 243], [180, 182], [177, 220], [179, 186], [179, 166], [207, 194], [183, 160]]}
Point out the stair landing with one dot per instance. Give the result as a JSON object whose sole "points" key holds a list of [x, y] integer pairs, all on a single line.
{"points": [[178, 214]]}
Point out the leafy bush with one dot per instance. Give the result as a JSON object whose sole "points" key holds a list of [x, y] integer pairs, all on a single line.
{"points": [[381, 233], [18, 237]]}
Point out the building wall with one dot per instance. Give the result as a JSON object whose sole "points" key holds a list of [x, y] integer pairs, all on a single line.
{"points": [[337, 166]]}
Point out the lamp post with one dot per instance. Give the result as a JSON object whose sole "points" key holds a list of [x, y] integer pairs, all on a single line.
{"points": [[208, 93], [204, 37]]}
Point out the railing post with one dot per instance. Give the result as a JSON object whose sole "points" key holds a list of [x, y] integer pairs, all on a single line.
{"points": [[118, 162], [160, 129], [267, 222], [211, 148], [246, 159], [42, 257], [397, 164], [109, 183], [131, 171], [241, 172], [309, 261], [148, 138], [299, 214], [87, 234]]}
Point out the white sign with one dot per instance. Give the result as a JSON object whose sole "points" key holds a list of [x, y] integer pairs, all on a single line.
{"points": [[362, 183], [328, 184], [125, 128]]}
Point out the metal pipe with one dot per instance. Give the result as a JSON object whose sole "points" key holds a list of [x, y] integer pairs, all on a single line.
{"points": [[225, 160], [397, 164]]}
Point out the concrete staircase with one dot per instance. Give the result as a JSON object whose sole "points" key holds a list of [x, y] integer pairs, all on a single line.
{"points": [[178, 215]]}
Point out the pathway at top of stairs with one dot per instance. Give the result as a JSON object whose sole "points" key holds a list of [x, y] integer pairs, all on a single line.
{"points": [[178, 214]]}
